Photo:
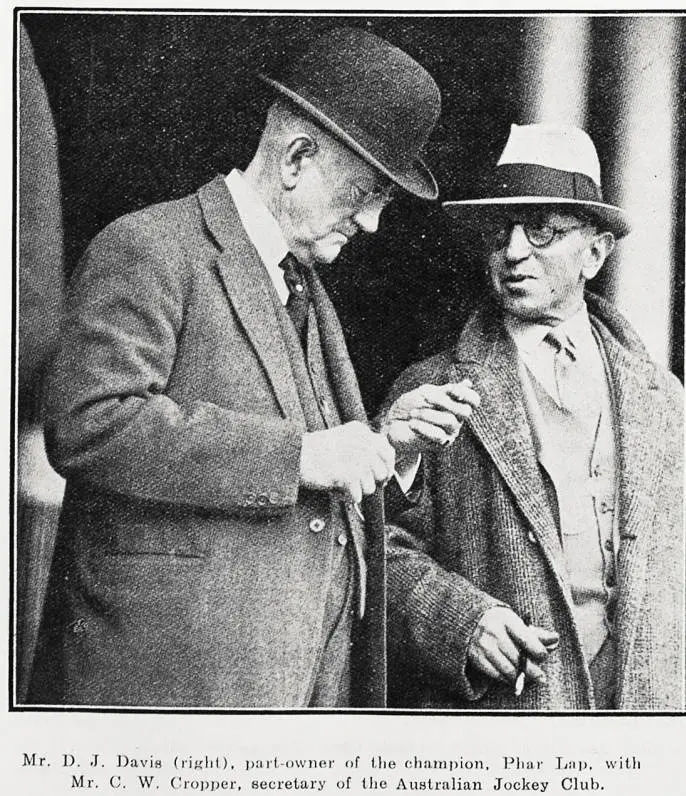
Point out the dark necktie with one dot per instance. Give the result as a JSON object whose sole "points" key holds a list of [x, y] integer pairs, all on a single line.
{"points": [[298, 303]]}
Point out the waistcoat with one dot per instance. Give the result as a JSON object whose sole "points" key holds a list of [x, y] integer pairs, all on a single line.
{"points": [[577, 451], [320, 411]]}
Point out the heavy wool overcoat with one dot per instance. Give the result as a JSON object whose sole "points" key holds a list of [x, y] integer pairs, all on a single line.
{"points": [[190, 568], [486, 532]]}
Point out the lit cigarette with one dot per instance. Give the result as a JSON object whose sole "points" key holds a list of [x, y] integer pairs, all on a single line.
{"points": [[521, 665], [519, 682]]}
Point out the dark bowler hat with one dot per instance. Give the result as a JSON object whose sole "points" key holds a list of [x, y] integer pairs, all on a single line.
{"points": [[547, 164], [372, 96]]}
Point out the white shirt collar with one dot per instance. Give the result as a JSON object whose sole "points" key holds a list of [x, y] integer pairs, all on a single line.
{"points": [[526, 336], [578, 329], [539, 358], [261, 227]]}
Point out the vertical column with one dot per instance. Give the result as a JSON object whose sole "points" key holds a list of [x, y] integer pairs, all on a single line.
{"points": [[641, 286], [555, 70]]}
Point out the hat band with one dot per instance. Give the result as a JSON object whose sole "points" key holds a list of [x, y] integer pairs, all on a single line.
{"points": [[531, 179]]}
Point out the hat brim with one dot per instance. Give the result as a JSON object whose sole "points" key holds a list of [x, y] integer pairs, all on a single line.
{"points": [[613, 218], [416, 179]]}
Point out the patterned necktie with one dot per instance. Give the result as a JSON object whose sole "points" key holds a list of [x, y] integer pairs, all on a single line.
{"points": [[298, 303], [567, 375]]}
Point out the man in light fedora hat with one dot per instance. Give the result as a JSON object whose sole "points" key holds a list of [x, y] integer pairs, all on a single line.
{"points": [[542, 568], [206, 416]]}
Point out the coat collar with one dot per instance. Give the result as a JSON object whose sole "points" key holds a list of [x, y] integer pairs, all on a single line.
{"points": [[251, 292], [642, 428], [336, 354], [487, 355], [639, 402]]}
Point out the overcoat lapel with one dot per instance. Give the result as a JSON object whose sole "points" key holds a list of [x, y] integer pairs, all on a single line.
{"points": [[336, 354], [249, 290], [369, 676], [641, 423], [488, 356]]}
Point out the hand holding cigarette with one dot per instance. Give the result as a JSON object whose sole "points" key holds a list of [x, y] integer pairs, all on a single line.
{"points": [[506, 648], [429, 417]]}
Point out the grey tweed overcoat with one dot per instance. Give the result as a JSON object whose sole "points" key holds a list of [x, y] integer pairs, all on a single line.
{"points": [[190, 568], [486, 532]]}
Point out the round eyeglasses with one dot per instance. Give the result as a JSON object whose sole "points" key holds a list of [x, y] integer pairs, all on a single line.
{"points": [[376, 199], [539, 235]]}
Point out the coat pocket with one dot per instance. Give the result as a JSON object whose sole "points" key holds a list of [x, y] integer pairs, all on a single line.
{"points": [[105, 523], [149, 539]]}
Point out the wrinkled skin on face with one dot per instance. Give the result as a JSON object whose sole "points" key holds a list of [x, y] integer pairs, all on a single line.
{"points": [[544, 284], [335, 194]]}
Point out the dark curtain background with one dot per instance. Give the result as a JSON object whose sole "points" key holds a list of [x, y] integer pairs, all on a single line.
{"points": [[149, 107]]}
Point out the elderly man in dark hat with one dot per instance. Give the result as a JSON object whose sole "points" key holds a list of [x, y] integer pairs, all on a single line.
{"points": [[543, 567], [205, 413]]}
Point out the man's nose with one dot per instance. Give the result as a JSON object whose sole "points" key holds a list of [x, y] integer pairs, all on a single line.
{"points": [[518, 246], [367, 219]]}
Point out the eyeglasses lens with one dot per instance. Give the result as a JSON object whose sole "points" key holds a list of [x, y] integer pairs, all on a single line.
{"points": [[497, 233]]}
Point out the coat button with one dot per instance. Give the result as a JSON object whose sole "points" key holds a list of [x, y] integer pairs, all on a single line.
{"points": [[317, 525], [342, 539], [531, 536]]}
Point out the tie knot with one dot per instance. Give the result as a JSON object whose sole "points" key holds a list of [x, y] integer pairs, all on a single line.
{"points": [[560, 341], [293, 273], [298, 303]]}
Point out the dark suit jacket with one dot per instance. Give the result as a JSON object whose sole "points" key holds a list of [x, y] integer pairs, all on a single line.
{"points": [[190, 569], [486, 532]]}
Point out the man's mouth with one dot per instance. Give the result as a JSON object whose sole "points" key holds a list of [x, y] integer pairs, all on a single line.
{"points": [[516, 278]]}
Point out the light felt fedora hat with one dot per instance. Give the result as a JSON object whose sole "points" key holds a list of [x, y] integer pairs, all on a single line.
{"points": [[547, 164], [371, 96]]}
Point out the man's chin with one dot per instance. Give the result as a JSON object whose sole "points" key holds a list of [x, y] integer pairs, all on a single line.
{"points": [[519, 307]]}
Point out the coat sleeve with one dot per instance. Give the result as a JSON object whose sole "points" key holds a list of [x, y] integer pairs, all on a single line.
{"points": [[432, 611], [108, 419]]}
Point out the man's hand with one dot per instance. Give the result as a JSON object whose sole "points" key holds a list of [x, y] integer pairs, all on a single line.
{"points": [[428, 418], [350, 458], [496, 643]]}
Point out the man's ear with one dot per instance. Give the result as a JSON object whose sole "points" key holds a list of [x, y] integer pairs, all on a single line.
{"points": [[301, 148], [599, 249]]}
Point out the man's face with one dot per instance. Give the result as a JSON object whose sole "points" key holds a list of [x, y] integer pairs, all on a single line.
{"points": [[336, 196], [541, 281]]}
